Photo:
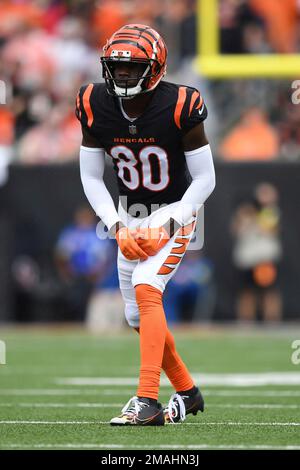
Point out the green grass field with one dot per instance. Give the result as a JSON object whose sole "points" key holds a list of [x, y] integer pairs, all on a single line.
{"points": [[60, 388]]}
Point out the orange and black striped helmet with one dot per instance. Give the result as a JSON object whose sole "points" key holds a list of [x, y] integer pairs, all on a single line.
{"points": [[135, 43]]}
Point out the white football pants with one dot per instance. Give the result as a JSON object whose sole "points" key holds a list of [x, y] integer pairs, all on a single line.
{"points": [[156, 270]]}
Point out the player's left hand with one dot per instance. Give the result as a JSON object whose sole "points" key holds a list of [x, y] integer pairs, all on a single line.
{"points": [[151, 239]]}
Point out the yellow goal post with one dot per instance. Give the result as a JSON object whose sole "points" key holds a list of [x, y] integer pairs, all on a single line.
{"points": [[210, 63]]}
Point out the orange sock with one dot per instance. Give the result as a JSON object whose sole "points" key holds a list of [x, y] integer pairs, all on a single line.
{"points": [[174, 366], [153, 328]]}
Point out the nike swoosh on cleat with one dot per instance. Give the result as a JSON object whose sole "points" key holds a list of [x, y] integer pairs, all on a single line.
{"points": [[201, 110], [148, 420]]}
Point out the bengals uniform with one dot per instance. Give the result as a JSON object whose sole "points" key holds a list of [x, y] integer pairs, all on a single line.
{"points": [[146, 152], [161, 169]]}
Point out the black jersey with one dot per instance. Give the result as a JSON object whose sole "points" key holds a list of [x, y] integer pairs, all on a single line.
{"points": [[147, 152]]}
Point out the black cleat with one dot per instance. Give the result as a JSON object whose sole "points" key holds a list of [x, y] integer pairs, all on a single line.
{"points": [[140, 412], [182, 404]]}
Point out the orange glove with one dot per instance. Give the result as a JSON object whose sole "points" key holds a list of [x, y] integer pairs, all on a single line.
{"points": [[151, 240], [128, 245]]}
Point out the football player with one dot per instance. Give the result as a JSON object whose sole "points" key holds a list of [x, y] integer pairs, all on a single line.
{"points": [[153, 132]]}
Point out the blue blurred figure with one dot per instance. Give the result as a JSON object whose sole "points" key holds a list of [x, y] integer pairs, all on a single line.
{"points": [[190, 294], [83, 261]]}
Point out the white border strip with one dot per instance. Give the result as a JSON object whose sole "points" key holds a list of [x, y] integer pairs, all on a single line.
{"points": [[153, 447], [233, 380]]}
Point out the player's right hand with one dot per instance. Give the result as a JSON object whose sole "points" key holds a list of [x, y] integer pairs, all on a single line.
{"points": [[128, 245]]}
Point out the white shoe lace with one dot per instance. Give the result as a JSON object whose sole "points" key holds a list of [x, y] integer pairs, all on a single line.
{"points": [[176, 405], [133, 406]]}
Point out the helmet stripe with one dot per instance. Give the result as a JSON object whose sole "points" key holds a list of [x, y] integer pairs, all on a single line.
{"points": [[143, 37], [136, 44], [131, 35], [143, 30]]}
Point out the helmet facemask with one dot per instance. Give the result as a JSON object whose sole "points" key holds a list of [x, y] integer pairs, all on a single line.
{"points": [[133, 86]]}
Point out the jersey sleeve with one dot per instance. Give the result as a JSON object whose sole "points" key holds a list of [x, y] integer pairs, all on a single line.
{"points": [[190, 109], [84, 110]]}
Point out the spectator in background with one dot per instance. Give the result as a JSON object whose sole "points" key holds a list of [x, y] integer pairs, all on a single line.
{"points": [[107, 17], [236, 17], [15, 15], [54, 140], [7, 122], [48, 48], [106, 307], [287, 122], [282, 23], [190, 295], [256, 255], [82, 261], [259, 26], [254, 39], [252, 139], [73, 56], [28, 56]]}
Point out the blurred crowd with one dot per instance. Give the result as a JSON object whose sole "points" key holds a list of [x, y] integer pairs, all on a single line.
{"points": [[257, 253], [259, 26], [49, 48], [78, 280], [257, 119]]}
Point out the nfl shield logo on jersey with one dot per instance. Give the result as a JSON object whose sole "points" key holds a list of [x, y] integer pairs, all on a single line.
{"points": [[132, 129]]}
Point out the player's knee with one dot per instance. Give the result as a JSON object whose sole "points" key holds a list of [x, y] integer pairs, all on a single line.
{"points": [[147, 294]]}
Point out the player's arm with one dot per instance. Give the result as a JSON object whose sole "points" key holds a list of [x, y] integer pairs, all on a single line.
{"points": [[194, 139], [92, 164], [200, 164]]}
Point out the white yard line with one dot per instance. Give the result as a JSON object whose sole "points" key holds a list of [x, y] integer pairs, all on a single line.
{"points": [[52, 422], [43, 391], [252, 393], [253, 406], [62, 405], [215, 393], [233, 423], [124, 392], [233, 380], [220, 423], [120, 405]]}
